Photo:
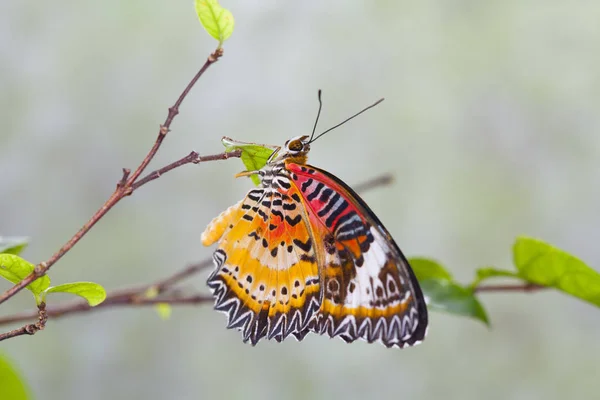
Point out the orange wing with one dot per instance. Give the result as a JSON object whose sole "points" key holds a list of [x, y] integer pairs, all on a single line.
{"points": [[266, 279], [369, 289]]}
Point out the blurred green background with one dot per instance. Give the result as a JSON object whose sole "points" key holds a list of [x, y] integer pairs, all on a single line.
{"points": [[490, 126]]}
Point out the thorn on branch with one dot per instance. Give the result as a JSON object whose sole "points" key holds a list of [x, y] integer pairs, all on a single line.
{"points": [[165, 129], [194, 157], [123, 181], [40, 269]]}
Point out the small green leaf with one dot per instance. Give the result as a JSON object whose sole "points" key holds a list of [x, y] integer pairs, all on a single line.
{"points": [[164, 310], [92, 292], [450, 297], [217, 21], [425, 268], [15, 269], [254, 156], [151, 292], [540, 263], [12, 385], [485, 273], [13, 245]]}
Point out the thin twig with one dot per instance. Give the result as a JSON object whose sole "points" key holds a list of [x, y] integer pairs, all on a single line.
{"points": [[378, 181], [193, 158], [519, 287], [29, 329], [173, 111], [131, 296], [125, 187]]}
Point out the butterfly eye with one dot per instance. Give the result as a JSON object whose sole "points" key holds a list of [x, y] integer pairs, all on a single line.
{"points": [[295, 145]]}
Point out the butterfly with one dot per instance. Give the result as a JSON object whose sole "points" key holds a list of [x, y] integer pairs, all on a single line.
{"points": [[304, 253]]}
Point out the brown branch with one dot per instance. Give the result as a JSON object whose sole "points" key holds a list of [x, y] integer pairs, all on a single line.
{"points": [[137, 295], [29, 329], [125, 187], [519, 287], [164, 289], [131, 296], [193, 158], [375, 182]]}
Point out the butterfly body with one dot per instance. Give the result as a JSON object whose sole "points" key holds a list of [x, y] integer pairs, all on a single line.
{"points": [[303, 253]]}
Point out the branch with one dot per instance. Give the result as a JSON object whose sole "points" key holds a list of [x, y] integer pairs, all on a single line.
{"points": [[519, 287], [29, 329], [375, 182], [193, 158], [131, 296], [137, 296], [125, 187]]}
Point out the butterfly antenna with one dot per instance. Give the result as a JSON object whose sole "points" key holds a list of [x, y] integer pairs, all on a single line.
{"points": [[318, 115], [344, 121]]}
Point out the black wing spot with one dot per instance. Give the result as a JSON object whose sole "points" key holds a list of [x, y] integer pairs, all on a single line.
{"points": [[325, 194], [360, 261], [329, 244], [277, 213], [315, 192], [305, 246], [307, 258], [306, 185], [254, 235], [295, 221], [284, 184], [289, 206]]}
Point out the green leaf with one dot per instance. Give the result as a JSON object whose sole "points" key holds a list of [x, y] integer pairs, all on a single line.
{"points": [[425, 268], [254, 156], [217, 21], [540, 263], [443, 294], [164, 310], [450, 297], [15, 269], [12, 385], [13, 245], [485, 273], [92, 292]]}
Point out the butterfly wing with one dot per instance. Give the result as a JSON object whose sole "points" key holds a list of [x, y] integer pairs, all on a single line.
{"points": [[369, 289], [266, 278]]}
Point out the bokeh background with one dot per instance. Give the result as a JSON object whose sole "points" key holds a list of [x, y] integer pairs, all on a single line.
{"points": [[490, 126]]}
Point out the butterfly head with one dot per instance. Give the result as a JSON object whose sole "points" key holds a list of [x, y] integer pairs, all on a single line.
{"points": [[295, 151]]}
